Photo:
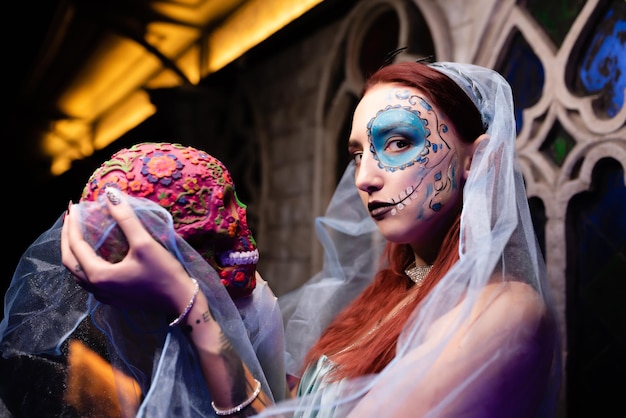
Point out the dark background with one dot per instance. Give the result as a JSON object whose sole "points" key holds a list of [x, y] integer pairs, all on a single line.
{"points": [[31, 201]]}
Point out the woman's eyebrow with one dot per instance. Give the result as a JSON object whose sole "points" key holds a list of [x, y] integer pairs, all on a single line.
{"points": [[354, 144]]}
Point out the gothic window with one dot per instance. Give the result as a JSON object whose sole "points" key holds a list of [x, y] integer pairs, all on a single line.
{"points": [[566, 63]]}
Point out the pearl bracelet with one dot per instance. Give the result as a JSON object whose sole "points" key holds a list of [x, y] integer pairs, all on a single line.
{"points": [[182, 316], [242, 405]]}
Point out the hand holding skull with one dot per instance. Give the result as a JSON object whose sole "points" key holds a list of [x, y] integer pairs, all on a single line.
{"points": [[147, 277]]}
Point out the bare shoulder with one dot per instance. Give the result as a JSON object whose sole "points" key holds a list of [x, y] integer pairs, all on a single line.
{"points": [[510, 306], [515, 296], [503, 310], [494, 351]]}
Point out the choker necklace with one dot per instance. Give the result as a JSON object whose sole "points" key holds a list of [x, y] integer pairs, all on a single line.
{"points": [[417, 273]]}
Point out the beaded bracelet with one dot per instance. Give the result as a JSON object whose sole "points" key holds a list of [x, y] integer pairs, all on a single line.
{"points": [[242, 405], [182, 316]]}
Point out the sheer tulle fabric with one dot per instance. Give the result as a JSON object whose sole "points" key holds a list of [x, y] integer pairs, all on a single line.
{"points": [[497, 250], [44, 308]]}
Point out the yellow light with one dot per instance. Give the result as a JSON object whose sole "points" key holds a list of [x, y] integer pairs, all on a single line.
{"points": [[74, 139], [123, 118], [120, 66], [108, 97], [60, 164], [250, 25], [65, 143]]}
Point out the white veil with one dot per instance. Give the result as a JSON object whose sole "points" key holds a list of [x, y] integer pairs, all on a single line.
{"points": [[44, 309]]}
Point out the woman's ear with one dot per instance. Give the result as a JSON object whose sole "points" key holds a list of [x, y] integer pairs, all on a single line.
{"points": [[467, 163]]}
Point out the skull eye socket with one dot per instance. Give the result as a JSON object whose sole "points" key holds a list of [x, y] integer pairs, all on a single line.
{"points": [[230, 201], [234, 210]]}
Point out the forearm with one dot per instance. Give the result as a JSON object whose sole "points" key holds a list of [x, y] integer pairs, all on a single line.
{"points": [[228, 379]]}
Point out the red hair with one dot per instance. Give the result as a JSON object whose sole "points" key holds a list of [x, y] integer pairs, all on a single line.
{"points": [[389, 287], [374, 350]]}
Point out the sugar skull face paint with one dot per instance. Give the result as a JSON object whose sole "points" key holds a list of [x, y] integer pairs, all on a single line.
{"points": [[405, 126], [408, 161]]}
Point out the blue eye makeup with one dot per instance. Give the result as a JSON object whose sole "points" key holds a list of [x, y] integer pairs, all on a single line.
{"points": [[398, 137]]}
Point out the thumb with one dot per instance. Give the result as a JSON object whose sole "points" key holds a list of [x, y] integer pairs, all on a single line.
{"points": [[123, 213]]}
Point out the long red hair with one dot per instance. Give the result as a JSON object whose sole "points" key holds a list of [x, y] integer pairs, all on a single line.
{"points": [[370, 354], [389, 288]]}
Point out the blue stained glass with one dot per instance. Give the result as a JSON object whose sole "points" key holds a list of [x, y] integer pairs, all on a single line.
{"points": [[523, 70], [595, 309], [604, 64], [602, 224]]}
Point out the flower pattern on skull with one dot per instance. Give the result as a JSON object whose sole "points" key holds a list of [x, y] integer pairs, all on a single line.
{"points": [[199, 193]]}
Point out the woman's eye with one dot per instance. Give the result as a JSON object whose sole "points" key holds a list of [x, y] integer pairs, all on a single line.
{"points": [[357, 156], [397, 145]]}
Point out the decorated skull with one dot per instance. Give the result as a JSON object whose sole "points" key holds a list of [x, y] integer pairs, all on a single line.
{"points": [[199, 193]]}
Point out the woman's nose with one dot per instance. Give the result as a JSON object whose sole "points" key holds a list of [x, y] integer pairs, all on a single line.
{"points": [[368, 174]]}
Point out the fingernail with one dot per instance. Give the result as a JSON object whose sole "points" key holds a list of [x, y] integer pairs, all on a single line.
{"points": [[67, 212], [113, 195]]}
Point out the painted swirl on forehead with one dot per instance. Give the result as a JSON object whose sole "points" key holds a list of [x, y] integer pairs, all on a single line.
{"points": [[400, 135]]}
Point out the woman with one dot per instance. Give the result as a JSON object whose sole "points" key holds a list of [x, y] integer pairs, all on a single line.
{"points": [[486, 293], [457, 322], [502, 317]]}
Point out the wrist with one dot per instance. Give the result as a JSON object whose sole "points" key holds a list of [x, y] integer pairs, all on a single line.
{"points": [[201, 328], [184, 311]]}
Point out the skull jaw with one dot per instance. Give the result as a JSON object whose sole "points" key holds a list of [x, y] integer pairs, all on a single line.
{"points": [[239, 281]]}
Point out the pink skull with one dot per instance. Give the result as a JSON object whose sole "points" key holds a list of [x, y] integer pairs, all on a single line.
{"points": [[199, 193]]}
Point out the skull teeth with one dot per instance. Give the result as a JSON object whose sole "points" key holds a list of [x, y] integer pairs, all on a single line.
{"points": [[238, 258]]}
